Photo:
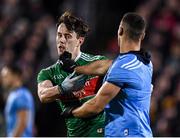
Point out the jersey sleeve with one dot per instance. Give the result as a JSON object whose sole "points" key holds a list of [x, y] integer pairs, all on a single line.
{"points": [[43, 75], [99, 57], [121, 77]]}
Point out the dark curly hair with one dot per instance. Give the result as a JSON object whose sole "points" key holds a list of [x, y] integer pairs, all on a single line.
{"points": [[74, 24]]}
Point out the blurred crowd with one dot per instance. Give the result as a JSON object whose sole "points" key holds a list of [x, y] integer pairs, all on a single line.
{"points": [[27, 38], [163, 40]]}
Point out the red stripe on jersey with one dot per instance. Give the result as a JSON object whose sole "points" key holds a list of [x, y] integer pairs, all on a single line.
{"points": [[91, 87]]}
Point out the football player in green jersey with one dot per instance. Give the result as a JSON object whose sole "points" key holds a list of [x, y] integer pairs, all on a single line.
{"points": [[56, 83]]}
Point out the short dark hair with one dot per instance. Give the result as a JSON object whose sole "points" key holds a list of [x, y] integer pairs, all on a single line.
{"points": [[74, 24], [15, 69], [134, 25]]}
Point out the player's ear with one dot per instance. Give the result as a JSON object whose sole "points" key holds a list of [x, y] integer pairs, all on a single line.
{"points": [[81, 40], [121, 31], [142, 36]]}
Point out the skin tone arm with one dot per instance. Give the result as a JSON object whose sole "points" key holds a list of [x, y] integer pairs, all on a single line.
{"points": [[95, 105], [98, 68], [47, 92], [22, 116]]}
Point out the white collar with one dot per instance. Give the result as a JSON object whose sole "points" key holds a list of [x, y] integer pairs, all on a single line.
{"points": [[79, 55]]}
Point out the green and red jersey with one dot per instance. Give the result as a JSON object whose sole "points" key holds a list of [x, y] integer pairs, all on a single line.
{"points": [[77, 127]]}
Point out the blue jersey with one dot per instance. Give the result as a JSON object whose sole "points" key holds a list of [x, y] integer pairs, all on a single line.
{"points": [[19, 99], [128, 113]]}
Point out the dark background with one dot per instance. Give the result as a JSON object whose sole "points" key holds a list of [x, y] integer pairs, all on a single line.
{"points": [[27, 38]]}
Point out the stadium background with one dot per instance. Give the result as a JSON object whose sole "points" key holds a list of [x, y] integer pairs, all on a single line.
{"points": [[27, 37]]}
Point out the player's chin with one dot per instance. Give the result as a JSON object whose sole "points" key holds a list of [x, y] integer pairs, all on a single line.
{"points": [[60, 52]]}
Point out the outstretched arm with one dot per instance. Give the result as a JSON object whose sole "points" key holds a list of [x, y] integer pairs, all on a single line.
{"points": [[95, 105], [98, 68]]}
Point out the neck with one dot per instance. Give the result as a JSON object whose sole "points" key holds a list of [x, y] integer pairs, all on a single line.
{"points": [[76, 52], [76, 57], [126, 46], [17, 84]]}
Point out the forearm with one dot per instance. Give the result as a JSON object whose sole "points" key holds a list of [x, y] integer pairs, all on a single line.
{"points": [[49, 94], [99, 68], [20, 124], [88, 109], [19, 130], [95, 105]]}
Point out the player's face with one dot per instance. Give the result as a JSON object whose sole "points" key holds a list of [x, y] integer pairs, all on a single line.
{"points": [[6, 78], [67, 40]]}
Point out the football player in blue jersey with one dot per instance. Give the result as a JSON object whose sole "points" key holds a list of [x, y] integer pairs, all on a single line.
{"points": [[19, 109], [126, 92]]}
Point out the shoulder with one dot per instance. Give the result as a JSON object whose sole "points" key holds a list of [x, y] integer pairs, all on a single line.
{"points": [[49, 68], [90, 57], [24, 92], [123, 65], [47, 72], [126, 60], [121, 72], [24, 98]]}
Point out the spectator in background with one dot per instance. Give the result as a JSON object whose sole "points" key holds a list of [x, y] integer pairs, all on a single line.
{"points": [[19, 109]]}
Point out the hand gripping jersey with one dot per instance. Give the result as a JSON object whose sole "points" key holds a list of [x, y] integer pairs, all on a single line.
{"points": [[128, 113], [93, 127]]}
